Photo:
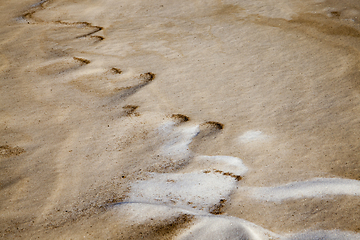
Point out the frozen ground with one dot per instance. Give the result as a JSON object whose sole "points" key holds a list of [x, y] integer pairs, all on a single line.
{"points": [[179, 119]]}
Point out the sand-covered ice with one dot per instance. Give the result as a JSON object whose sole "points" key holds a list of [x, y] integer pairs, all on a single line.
{"points": [[179, 119]]}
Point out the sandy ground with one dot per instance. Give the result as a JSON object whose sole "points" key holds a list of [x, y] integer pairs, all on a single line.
{"points": [[99, 98]]}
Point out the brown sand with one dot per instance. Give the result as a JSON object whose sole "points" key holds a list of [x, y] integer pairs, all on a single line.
{"points": [[84, 85]]}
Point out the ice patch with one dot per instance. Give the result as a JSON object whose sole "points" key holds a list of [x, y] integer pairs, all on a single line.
{"points": [[214, 227], [251, 136], [177, 139], [228, 164], [188, 190], [318, 187]]}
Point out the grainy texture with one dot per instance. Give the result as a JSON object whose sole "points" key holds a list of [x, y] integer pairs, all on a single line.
{"points": [[92, 98]]}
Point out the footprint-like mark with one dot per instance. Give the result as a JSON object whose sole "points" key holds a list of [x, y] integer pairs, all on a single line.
{"points": [[101, 83], [201, 182], [201, 187], [62, 65], [180, 118], [208, 131], [27, 16], [82, 30], [123, 92], [86, 25], [111, 83]]}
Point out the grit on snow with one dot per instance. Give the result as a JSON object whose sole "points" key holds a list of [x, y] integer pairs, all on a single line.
{"points": [[207, 119]]}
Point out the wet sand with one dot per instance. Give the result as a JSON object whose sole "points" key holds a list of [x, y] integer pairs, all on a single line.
{"points": [[135, 119]]}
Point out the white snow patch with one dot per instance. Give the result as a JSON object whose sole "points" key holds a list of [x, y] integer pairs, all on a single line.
{"points": [[203, 226], [251, 136], [317, 187], [229, 164], [206, 226], [219, 227], [177, 139], [188, 190]]}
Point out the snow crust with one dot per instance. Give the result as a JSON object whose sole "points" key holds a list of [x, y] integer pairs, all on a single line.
{"points": [[318, 187]]}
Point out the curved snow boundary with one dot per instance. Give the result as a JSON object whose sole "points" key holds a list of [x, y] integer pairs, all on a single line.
{"points": [[204, 226], [191, 188], [177, 139], [176, 146], [318, 187], [208, 226], [221, 227], [223, 163]]}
